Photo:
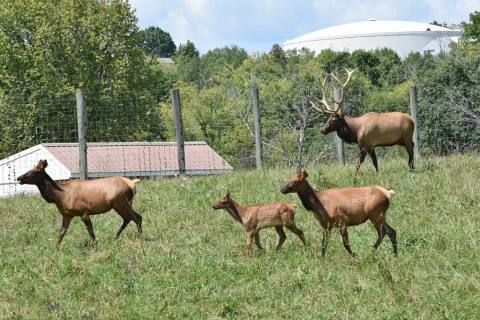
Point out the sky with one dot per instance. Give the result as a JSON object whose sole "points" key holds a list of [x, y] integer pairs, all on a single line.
{"points": [[256, 25]]}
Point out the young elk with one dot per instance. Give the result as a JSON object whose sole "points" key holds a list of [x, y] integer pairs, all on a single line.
{"points": [[82, 198], [345, 207], [255, 218], [371, 130]]}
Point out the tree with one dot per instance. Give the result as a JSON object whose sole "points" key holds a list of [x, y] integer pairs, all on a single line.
{"points": [[157, 42], [278, 55], [51, 48], [472, 29], [187, 50]]}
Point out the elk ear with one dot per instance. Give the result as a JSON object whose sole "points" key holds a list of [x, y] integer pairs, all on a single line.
{"points": [[305, 174], [228, 194], [42, 164]]}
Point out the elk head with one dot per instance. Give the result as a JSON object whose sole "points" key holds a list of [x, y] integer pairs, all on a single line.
{"points": [[336, 118], [222, 203], [297, 181], [36, 175]]}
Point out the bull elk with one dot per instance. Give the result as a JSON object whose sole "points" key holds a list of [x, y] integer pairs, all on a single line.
{"points": [[82, 198], [345, 207], [254, 218], [370, 130]]}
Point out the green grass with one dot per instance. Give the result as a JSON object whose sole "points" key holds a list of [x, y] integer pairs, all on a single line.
{"points": [[195, 265]]}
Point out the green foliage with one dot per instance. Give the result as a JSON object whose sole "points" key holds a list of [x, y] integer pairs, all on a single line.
{"points": [[195, 265], [278, 55], [187, 50], [448, 106], [157, 42], [49, 49], [472, 28]]}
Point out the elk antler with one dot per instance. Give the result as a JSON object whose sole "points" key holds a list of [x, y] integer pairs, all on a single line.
{"points": [[342, 87], [326, 108]]}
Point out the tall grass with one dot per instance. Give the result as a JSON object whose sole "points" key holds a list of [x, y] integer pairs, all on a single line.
{"points": [[195, 265]]}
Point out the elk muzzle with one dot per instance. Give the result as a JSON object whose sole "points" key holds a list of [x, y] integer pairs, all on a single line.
{"points": [[217, 205]]}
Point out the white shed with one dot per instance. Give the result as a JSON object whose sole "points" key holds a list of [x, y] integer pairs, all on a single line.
{"points": [[129, 159]]}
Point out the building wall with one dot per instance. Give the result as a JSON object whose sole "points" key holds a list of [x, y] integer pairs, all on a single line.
{"points": [[16, 165]]}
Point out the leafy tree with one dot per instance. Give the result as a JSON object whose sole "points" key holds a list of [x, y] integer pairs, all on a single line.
{"points": [[333, 61], [51, 48], [367, 62], [187, 51], [278, 55], [472, 28], [157, 42], [448, 97]]}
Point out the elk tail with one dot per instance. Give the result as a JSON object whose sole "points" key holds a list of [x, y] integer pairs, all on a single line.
{"points": [[132, 184], [388, 193]]}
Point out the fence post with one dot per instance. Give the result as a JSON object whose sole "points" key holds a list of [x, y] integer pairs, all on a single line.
{"points": [[338, 141], [413, 113], [256, 119], [177, 113], [82, 142]]}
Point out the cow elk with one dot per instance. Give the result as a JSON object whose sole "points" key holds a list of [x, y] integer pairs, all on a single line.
{"points": [[82, 198], [256, 217], [342, 208], [370, 130]]}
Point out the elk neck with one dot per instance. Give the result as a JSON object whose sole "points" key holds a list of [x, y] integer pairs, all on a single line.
{"points": [[49, 189], [347, 131], [311, 202], [234, 209]]}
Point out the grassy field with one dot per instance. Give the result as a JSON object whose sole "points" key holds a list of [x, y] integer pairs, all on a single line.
{"points": [[195, 265]]}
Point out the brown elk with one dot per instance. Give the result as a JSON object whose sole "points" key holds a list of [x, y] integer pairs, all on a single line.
{"points": [[345, 207], [254, 218], [82, 198], [370, 130]]}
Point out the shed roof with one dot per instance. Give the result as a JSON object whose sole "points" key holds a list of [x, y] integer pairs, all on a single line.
{"points": [[138, 158]]}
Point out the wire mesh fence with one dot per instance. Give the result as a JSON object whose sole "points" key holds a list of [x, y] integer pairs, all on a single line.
{"points": [[127, 135]]}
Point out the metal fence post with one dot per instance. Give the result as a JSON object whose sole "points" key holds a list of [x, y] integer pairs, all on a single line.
{"points": [[177, 113], [338, 141], [413, 113], [256, 118], [82, 142]]}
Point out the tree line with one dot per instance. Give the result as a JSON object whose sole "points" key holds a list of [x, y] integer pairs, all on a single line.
{"points": [[50, 49]]}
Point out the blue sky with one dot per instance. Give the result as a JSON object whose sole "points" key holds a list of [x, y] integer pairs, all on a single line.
{"points": [[256, 24]]}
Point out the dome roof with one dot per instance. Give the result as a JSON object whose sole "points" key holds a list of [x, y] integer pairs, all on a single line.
{"points": [[401, 36], [373, 27]]}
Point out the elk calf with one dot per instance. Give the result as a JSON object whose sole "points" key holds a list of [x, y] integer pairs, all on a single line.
{"points": [[345, 207], [82, 198], [255, 218]]}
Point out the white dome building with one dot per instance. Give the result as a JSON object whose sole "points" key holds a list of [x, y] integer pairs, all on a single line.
{"points": [[403, 37]]}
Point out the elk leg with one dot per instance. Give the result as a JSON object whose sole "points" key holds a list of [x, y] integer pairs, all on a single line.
{"points": [[281, 237], [65, 224], [138, 221], [126, 220], [346, 244], [392, 234], [89, 225], [250, 237], [380, 227], [257, 240], [326, 235], [374, 159], [298, 232], [125, 210], [363, 154], [409, 147]]}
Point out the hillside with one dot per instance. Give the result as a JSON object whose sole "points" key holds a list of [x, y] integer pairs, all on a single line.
{"points": [[194, 264]]}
